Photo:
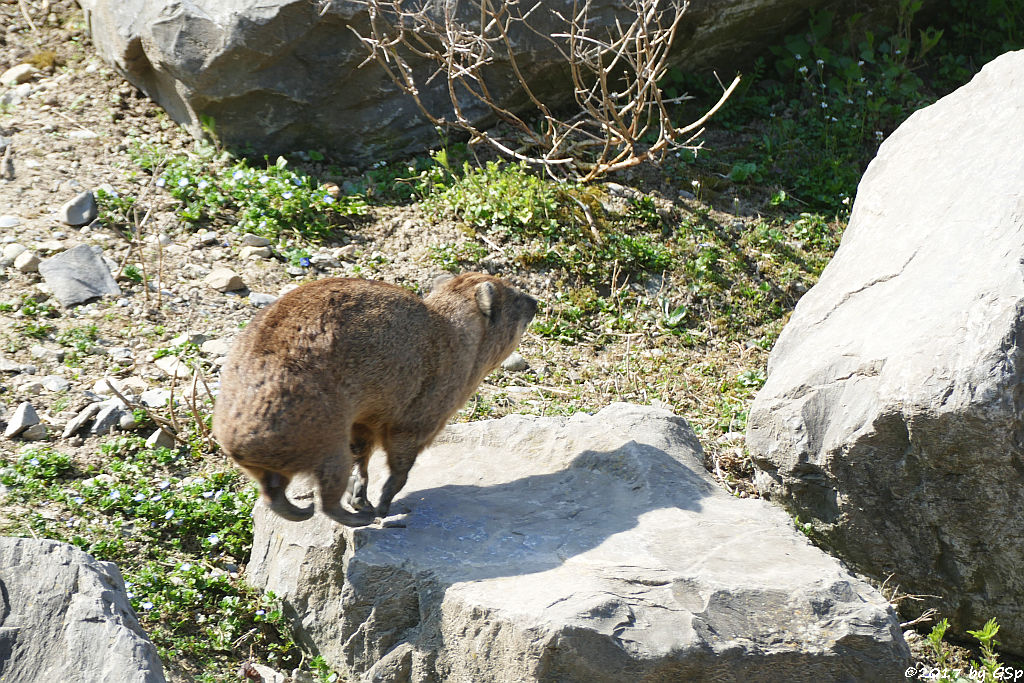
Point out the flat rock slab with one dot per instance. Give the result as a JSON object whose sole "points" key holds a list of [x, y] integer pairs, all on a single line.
{"points": [[590, 548], [77, 275], [64, 616]]}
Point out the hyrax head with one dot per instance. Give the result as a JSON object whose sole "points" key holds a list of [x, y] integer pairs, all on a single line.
{"points": [[503, 311]]}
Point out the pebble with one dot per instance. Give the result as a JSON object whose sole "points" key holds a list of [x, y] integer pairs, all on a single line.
{"points": [[107, 418], [346, 252], [246, 253], [216, 347], [27, 262], [24, 417], [77, 422], [251, 240], [155, 398], [18, 74], [13, 251], [55, 383], [160, 439], [208, 238], [324, 261], [224, 280], [40, 352], [122, 355], [515, 363], [188, 338], [173, 366], [36, 432], [9, 221], [260, 299], [80, 210], [8, 365], [78, 274]]}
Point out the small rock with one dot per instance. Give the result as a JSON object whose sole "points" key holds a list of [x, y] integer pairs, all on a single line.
{"points": [[208, 238], [52, 246], [213, 347], [27, 262], [77, 275], [346, 252], [13, 251], [155, 398], [246, 253], [40, 352], [24, 417], [9, 221], [173, 366], [251, 240], [160, 439], [80, 210], [515, 363], [76, 423], [295, 271], [260, 299], [127, 422], [122, 355], [107, 418], [18, 74], [36, 432], [55, 383], [224, 280], [8, 365], [188, 338], [324, 261]]}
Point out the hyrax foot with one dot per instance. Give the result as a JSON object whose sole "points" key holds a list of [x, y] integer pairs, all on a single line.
{"points": [[284, 507], [343, 516]]}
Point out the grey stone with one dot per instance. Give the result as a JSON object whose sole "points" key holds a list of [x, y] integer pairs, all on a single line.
{"points": [[80, 210], [9, 221], [515, 363], [279, 76], [27, 262], [155, 398], [246, 253], [12, 251], [160, 439], [77, 275], [36, 432], [217, 347], [24, 417], [55, 383], [891, 418], [224, 280], [251, 240], [591, 548], [8, 365], [260, 299], [40, 352], [108, 417], [64, 616], [324, 261], [18, 74], [80, 420], [173, 366]]}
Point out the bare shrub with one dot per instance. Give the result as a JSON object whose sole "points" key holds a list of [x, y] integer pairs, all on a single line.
{"points": [[620, 118]]}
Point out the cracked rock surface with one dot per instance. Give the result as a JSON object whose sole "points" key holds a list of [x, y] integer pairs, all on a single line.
{"points": [[64, 616], [891, 418], [590, 548]]}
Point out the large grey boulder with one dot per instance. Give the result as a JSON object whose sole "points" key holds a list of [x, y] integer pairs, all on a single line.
{"points": [[892, 414], [278, 76], [592, 548], [64, 616]]}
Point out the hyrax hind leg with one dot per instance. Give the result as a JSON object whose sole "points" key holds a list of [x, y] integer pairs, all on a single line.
{"points": [[402, 450], [272, 487], [332, 478]]}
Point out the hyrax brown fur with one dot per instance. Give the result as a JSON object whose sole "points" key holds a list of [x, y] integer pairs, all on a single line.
{"points": [[344, 365]]}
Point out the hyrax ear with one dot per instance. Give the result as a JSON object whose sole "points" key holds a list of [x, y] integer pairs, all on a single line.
{"points": [[485, 295]]}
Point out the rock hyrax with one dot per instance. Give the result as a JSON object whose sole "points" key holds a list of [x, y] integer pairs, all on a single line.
{"points": [[342, 365]]}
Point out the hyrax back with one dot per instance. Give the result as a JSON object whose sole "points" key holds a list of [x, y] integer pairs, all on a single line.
{"points": [[343, 362]]}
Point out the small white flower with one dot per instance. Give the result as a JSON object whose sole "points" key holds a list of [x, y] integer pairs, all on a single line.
{"points": [[824, 105], [261, 612], [164, 484], [185, 567], [155, 498], [820, 62], [182, 182], [33, 461], [160, 182], [146, 605], [328, 199], [899, 51], [139, 497], [170, 513], [860, 62], [286, 195], [78, 499], [846, 201], [202, 184], [802, 69], [798, 57], [213, 539], [869, 93], [264, 178], [238, 175], [879, 135], [114, 495], [207, 494]]}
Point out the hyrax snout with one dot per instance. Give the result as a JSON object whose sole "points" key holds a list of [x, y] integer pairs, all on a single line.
{"points": [[339, 366]]}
